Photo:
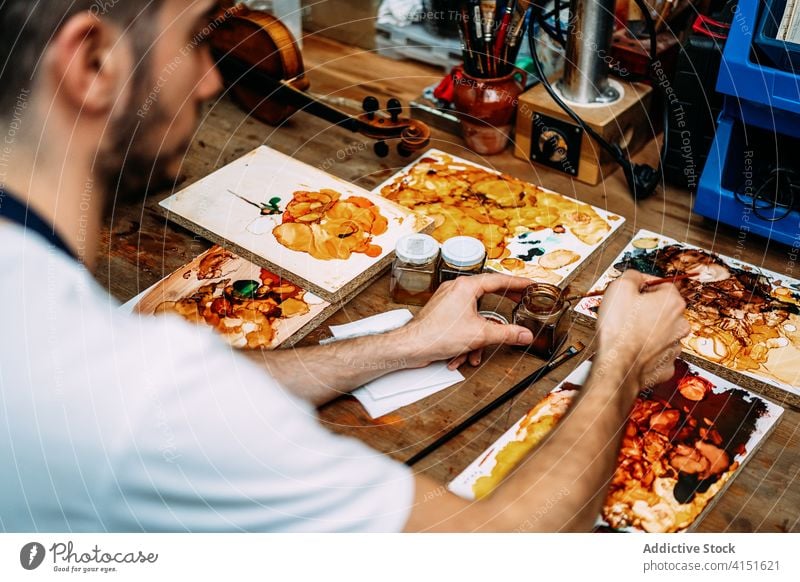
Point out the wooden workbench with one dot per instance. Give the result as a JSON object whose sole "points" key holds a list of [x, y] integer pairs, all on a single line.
{"points": [[141, 247]]}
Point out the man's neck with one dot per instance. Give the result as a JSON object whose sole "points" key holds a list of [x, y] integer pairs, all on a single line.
{"points": [[64, 193]]}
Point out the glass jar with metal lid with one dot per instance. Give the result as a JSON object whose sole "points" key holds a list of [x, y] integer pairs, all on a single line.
{"points": [[413, 279], [542, 310], [461, 255]]}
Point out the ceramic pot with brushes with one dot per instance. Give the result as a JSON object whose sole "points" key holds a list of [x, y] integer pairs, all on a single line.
{"points": [[486, 108]]}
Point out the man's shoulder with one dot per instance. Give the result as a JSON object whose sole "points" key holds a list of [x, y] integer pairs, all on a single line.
{"points": [[31, 264]]}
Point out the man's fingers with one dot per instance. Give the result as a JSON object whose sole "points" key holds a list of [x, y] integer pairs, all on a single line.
{"points": [[514, 335], [660, 374], [684, 328], [662, 367], [634, 277], [496, 283], [475, 357], [456, 362], [673, 352]]}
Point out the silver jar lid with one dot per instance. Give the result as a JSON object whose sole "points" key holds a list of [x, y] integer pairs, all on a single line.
{"points": [[463, 251], [494, 317], [417, 249]]}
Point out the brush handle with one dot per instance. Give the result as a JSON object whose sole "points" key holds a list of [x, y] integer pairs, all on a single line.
{"points": [[673, 279], [502, 33], [645, 286], [497, 402]]}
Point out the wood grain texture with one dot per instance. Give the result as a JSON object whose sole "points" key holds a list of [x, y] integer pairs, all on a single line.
{"points": [[777, 381], [625, 122], [220, 208], [188, 280], [543, 207], [140, 247]]}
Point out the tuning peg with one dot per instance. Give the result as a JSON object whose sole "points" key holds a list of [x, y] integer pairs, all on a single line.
{"points": [[395, 108], [370, 105], [403, 150], [381, 149]]}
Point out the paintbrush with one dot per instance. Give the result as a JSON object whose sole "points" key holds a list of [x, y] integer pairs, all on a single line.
{"points": [[518, 30], [487, 13], [501, 41], [645, 286], [476, 30], [517, 389], [466, 41], [523, 5]]}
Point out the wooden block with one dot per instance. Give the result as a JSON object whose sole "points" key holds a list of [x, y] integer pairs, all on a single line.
{"points": [[625, 122], [193, 290], [634, 53], [528, 231], [635, 503], [241, 205], [768, 339]]}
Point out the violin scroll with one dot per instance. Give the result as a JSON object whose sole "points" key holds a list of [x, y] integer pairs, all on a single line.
{"points": [[413, 134], [370, 106], [263, 68]]}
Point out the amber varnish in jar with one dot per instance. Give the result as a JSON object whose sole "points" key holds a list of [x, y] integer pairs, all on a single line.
{"points": [[461, 255], [414, 279], [542, 310]]}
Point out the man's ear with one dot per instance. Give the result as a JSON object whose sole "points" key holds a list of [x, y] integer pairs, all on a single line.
{"points": [[90, 64]]}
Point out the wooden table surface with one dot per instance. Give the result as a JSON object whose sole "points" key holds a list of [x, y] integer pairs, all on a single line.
{"points": [[141, 247]]}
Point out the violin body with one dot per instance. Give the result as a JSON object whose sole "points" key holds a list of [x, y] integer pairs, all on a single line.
{"points": [[266, 44], [263, 69]]}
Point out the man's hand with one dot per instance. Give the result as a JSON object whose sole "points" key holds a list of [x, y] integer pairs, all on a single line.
{"points": [[449, 326], [638, 334], [642, 328]]}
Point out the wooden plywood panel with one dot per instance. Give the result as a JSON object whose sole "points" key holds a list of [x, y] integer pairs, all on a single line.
{"points": [[686, 440], [529, 231], [243, 206], [745, 319], [272, 312]]}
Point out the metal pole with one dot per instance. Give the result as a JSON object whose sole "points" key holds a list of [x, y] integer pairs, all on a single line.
{"points": [[585, 77]]}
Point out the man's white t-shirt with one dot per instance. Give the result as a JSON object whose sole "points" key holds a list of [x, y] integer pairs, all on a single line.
{"points": [[116, 422]]}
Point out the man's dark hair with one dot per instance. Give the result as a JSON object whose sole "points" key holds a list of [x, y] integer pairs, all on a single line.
{"points": [[28, 26]]}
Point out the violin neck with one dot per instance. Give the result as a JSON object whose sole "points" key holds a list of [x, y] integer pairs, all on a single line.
{"points": [[283, 92]]}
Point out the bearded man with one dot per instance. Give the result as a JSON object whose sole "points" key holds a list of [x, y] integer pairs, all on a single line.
{"points": [[114, 422]]}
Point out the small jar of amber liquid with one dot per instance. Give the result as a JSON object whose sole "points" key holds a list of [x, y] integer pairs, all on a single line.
{"points": [[542, 310], [413, 279], [461, 255]]}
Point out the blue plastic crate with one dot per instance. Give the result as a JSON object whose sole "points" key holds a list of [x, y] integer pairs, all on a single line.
{"points": [[783, 55], [717, 201], [763, 116], [744, 78]]}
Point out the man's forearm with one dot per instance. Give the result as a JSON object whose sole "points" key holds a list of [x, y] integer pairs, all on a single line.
{"points": [[447, 327], [321, 373], [562, 485]]}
